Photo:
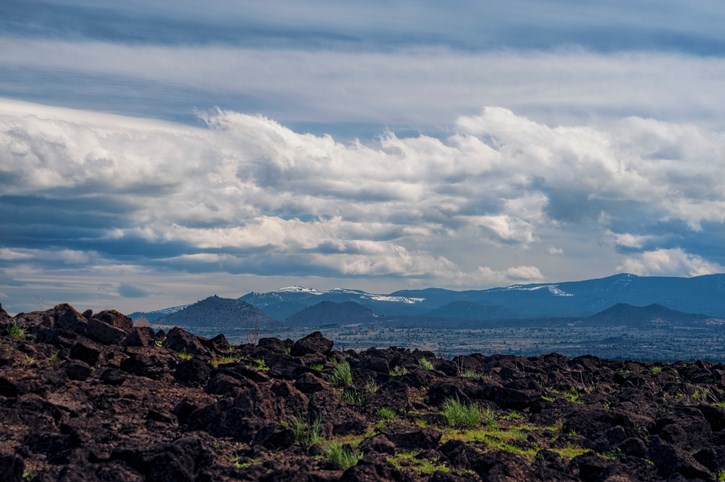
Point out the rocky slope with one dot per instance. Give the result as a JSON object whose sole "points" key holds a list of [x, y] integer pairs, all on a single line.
{"points": [[86, 397]]}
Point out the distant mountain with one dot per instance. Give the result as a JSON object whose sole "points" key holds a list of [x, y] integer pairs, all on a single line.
{"points": [[641, 316], [575, 299], [330, 312], [465, 310], [284, 302], [218, 312], [155, 315]]}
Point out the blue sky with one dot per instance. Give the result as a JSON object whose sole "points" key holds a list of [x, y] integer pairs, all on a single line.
{"points": [[153, 153]]}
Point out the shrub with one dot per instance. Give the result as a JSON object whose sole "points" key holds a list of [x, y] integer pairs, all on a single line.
{"points": [[425, 364], [184, 356], [15, 331], [470, 374], [341, 375], [341, 455], [462, 415], [305, 433]]}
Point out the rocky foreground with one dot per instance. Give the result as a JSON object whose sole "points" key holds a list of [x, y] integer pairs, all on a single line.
{"points": [[87, 397]]}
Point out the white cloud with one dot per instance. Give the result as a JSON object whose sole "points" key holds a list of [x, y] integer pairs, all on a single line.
{"points": [[424, 88], [245, 194], [670, 262]]}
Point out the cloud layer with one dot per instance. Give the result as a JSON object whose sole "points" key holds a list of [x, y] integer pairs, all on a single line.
{"points": [[247, 195]]}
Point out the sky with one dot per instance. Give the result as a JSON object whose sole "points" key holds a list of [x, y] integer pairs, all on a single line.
{"points": [[154, 153]]}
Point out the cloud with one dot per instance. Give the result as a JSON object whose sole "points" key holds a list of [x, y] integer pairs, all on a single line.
{"points": [[130, 291], [490, 203], [669, 262], [361, 92]]}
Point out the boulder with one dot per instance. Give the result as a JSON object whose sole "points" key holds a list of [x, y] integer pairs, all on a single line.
{"points": [[115, 319], [192, 372], [181, 341], [312, 343], [66, 318], [85, 352], [104, 333], [670, 460], [77, 370], [139, 336], [11, 468]]}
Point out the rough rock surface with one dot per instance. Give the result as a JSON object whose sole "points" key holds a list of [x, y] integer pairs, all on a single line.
{"points": [[87, 397]]}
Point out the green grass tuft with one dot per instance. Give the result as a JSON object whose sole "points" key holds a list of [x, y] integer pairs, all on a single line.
{"points": [[470, 374], [352, 396], [305, 433], [184, 356], [398, 372], [341, 375], [425, 364], [462, 415], [223, 360], [15, 331], [341, 455], [386, 414]]}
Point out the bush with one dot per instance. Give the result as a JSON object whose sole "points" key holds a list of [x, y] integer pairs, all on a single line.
{"points": [[341, 455], [462, 415], [470, 374], [305, 433], [425, 364], [341, 375]]}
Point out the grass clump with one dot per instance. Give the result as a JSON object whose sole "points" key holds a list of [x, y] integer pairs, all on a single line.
{"points": [[318, 367], [184, 356], [341, 375], [413, 462], [15, 331], [470, 374], [425, 364], [341, 455], [261, 365], [398, 372], [305, 433], [352, 396], [386, 415], [223, 360], [462, 415]]}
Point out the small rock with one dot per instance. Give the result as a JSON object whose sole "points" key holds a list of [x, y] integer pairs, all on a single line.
{"points": [[11, 468], [77, 370]]}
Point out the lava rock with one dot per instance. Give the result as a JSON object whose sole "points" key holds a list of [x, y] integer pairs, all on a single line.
{"points": [[312, 343]]}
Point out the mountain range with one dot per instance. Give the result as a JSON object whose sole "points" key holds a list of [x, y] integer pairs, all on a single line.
{"points": [[622, 296]]}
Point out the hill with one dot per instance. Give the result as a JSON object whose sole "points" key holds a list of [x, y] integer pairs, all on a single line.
{"points": [[328, 312], [218, 312], [653, 315]]}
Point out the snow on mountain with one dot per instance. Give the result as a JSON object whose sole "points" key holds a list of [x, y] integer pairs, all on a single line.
{"points": [[553, 289]]}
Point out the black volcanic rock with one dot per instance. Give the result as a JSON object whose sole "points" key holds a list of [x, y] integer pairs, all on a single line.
{"points": [[329, 312], [312, 343], [219, 312], [75, 409]]}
